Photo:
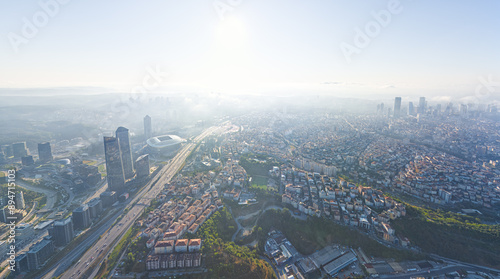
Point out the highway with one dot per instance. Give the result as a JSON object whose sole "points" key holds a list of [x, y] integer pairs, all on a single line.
{"points": [[88, 265]]}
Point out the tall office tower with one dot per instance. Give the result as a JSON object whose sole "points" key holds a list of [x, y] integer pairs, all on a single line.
{"points": [[45, 152], [148, 129], [124, 141], [19, 149], [397, 106], [421, 105], [114, 166], [411, 109], [27, 160], [95, 207], [39, 253], [81, 217], [62, 232], [142, 166]]}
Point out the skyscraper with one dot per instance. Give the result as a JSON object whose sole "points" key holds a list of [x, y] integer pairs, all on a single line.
{"points": [[142, 166], [19, 149], [411, 109], [45, 152], [397, 106], [421, 105], [114, 166], [126, 153], [148, 130], [62, 232], [81, 217]]}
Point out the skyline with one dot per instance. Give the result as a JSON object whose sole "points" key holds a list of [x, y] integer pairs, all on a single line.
{"points": [[255, 48]]}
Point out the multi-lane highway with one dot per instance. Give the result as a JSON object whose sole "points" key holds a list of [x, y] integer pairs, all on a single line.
{"points": [[96, 254]]}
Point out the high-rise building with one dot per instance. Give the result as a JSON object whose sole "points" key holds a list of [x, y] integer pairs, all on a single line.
{"points": [[148, 129], [126, 153], [142, 166], [114, 166], [421, 105], [108, 198], [397, 106], [411, 109], [20, 200], [81, 217], [45, 152], [39, 253], [27, 160], [19, 149], [95, 207], [62, 232]]}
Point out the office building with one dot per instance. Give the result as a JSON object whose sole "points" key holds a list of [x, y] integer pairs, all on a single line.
{"points": [[4, 214], [397, 107], [20, 204], [45, 152], [39, 253], [108, 198], [19, 149], [27, 160], [411, 109], [142, 166], [114, 167], [21, 263], [81, 218], [123, 140], [421, 105], [95, 207], [62, 232], [148, 129], [24, 231]]}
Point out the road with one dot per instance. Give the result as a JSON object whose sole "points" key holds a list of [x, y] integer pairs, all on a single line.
{"points": [[50, 194], [104, 246]]}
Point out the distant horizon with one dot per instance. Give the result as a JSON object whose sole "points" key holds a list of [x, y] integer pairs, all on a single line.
{"points": [[354, 48]]}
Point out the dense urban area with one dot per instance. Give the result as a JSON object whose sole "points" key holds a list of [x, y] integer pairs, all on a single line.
{"points": [[391, 192]]}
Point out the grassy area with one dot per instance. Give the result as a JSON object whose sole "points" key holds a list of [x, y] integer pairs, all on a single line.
{"points": [[90, 163], [258, 187], [224, 259], [259, 180], [124, 242], [451, 235], [102, 169]]}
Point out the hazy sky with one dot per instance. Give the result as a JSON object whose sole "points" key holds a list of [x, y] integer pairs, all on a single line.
{"points": [[429, 48]]}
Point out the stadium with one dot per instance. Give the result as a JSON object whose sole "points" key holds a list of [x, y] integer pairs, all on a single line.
{"points": [[165, 144]]}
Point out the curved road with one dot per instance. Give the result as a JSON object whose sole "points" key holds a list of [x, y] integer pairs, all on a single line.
{"points": [[244, 217]]}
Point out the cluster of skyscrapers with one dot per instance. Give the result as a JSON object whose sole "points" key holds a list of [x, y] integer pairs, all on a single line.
{"points": [[119, 166], [421, 109], [119, 163], [19, 151]]}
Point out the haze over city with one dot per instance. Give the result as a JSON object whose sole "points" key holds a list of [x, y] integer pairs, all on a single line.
{"points": [[249, 139]]}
